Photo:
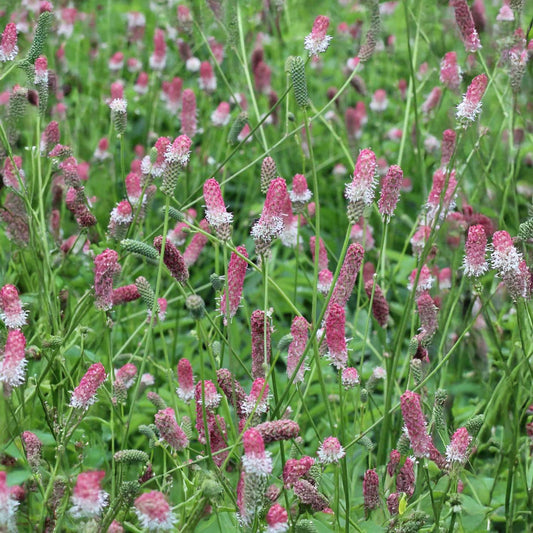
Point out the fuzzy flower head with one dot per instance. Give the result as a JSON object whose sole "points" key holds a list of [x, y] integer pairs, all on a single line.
{"points": [[299, 331], [8, 505], [179, 151], [300, 192], [165, 421], [8, 43], [415, 423], [330, 451], [470, 107], [371, 490], [270, 225], [221, 116], [153, 512], [255, 459], [317, 41], [215, 212], [465, 23], [474, 261], [88, 498], [450, 71], [350, 378], [277, 519], [206, 392], [505, 257], [457, 450], [257, 401], [335, 335], [362, 186], [12, 311], [13, 364], [185, 391], [84, 394], [390, 191]]}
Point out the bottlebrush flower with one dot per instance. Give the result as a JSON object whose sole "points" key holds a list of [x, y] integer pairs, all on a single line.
{"points": [[105, 268], [294, 469], [158, 58], [185, 391], [470, 107], [88, 498], [380, 307], [220, 116], [188, 113], [277, 519], [427, 311], [322, 252], [176, 156], [371, 490], [141, 85], [8, 44], [120, 220], [457, 450], [32, 446], [126, 375], [406, 480], [260, 343], [207, 81], [308, 494], [447, 147], [394, 461], [232, 389], [432, 101], [415, 423], [206, 393], [474, 261], [154, 512], [215, 212], [379, 102], [236, 273], [450, 72], [348, 274], [116, 62], [465, 23], [362, 186], [8, 505], [257, 401], [173, 260], [317, 41], [425, 279], [325, 278], [84, 394], [435, 204], [390, 191], [335, 336], [518, 282], [299, 332], [165, 421], [12, 310], [505, 257], [330, 451], [300, 194], [119, 114], [197, 244], [350, 378], [173, 95], [255, 459], [275, 430], [13, 364]]}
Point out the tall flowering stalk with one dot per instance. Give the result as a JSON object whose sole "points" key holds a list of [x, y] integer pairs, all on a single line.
{"points": [[215, 211], [360, 192], [230, 300], [84, 394], [470, 107], [415, 424], [260, 343], [465, 23], [299, 331]]}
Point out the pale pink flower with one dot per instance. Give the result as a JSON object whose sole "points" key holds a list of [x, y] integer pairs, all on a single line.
{"points": [[348, 274], [141, 85], [505, 257], [13, 364], [277, 519], [236, 273], [390, 191], [12, 310], [185, 391], [158, 58], [207, 81], [440, 201], [165, 421], [450, 71], [8, 505], [317, 41], [261, 348], [432, 101], [470, 107], [154, 512], [425, 279], [88, 498], [188, 113], [257, 401], [350, 378], [474, 261], [220, 116], [379, 102], [457, 450], [173, 260], [215, 209], [330, 451]]}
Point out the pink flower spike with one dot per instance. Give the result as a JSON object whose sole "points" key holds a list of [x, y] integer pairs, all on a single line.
{"points": [[88, 498], [177, 152], [322, 252], [12, 310], [32, 446], [350, 378], [207, 81], [154, 512], [277, 519], [105, 268], [440, 202], [126, 375], [415, 423], [406, 480], [185, 391], [13, 364], [158, 58], [362, 186], [260, 351], [317, 41], [505, 257], [188, 113], [84, 394], [457, 450], [8, 43], [371, 490], [173, 260], [255, 460], [379, 102], [206, 392], [465, 23], [294, 469], [300, 192], [325, 278], [474, 261], [450, 72], [220, 117], [330, 451], [470, 107], [447, 147], [257, 401], [41, 70], [236, 273], [427, 311], [299, 332], [165, 421], [8, 504], [348, 274], [425, 279], [335, 336], [390, 191], [215, 212]]}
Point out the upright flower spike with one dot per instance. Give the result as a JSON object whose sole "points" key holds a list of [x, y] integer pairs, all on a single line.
{"points": [[236, 273], [84, 394], [256, 460], [173, 260], [465, 23], [439, 201], [294, 469], [260, 351], [450, 72], [415, 423], [360, 192], [215, 210], [171, 159], [371, 490], [457, 450], [322, 252], [300, 194], [197, 244], [447, 147], [277, 519], [13, 364], [32, 446], [207, 81], [188, 113], [88, 498], [154, 512], [268, 173], [275, 430], [330, 451], [8, 505], [119, 114], [296, 68], [427, 311], [390, 191], [270, 224], [232, 389], [470, 107], [8, 44], [220, 116], [380, 307], [12, 310], [308, 494], [474, 262], [335, 336], [406, 479], [299, 332], [348, 274], [350, 378], [317, 42], [257, 401], [185, 391], [120, 219], [105, 268], [158, 58], [165, 421], [505, 257]]}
